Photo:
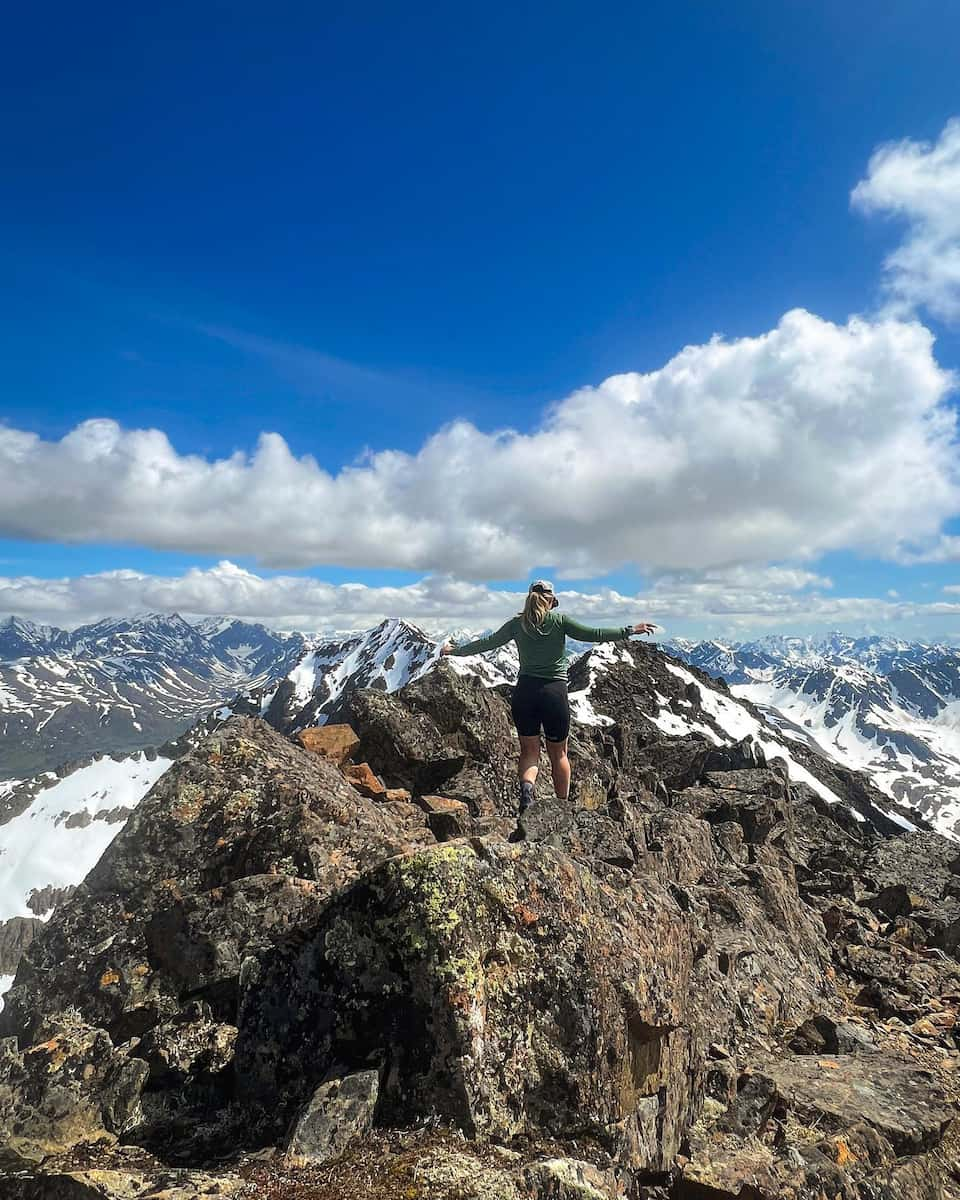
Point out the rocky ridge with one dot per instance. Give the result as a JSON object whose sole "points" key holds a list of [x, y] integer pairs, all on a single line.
{"points": [[704, 977]]}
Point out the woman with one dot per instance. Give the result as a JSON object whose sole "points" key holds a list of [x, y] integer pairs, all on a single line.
{"points": [[540, 696]]}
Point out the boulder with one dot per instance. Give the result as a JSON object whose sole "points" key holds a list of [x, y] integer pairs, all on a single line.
{"points": [[483, 975], [199, 941], [447, 819], [361, 777], [339, 1111], [16, 934], [335, 743]]}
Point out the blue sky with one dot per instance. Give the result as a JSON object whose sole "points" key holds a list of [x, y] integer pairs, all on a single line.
{"points": [[353, 230]]}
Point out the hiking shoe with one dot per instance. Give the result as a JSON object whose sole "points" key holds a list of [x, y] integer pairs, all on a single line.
{"points": [[527, 795]]}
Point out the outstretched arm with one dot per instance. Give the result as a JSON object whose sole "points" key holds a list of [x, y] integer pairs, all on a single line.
{"points": [[503, 635], [595, 633]]}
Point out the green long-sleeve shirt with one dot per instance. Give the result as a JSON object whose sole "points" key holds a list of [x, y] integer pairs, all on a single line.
{"points": [[542, 652]]}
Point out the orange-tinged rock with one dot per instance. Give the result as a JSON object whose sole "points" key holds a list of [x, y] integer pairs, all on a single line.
{"points": [[440, 804], [361, 776], [398, 794], [336, 743]]}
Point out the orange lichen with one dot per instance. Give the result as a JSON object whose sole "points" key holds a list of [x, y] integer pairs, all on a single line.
{"points": [[44, 1047], [55, 1048], [844, 1154], [108, 977]]}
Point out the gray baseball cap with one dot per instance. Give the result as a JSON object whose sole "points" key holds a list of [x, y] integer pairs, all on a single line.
{"points": [[542, 585]]}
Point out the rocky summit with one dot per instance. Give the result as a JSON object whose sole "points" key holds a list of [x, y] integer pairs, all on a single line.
{"points": [[333, 965]]}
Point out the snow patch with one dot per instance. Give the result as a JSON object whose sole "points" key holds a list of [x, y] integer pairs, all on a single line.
{"points": [[39, 848]]}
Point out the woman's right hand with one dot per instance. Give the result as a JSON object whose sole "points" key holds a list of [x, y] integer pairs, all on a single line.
{"points": [[644, 627], [446, 648]]}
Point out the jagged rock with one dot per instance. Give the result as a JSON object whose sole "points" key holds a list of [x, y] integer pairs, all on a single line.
{"points": [[406, 749], [42, 900], [435, 805], [754, 799], [16, 934], [336, 743], [445, 733], [920, 862], [898, 901], [200, 941], [411, 821], [339, 1111], [71, 1086], [397, 795], [585, 833], [447, 819], [680, 848], [361, 777], [245, 803]]}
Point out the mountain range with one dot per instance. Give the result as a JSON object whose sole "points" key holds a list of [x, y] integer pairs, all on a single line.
{"points": [[184, 681], [884, 706], [122, 685]]}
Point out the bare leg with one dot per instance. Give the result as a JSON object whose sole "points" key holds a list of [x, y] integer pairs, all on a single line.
{"points": [[529, 762], [560, 766]]}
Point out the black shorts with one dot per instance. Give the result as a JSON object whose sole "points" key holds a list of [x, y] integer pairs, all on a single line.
{"points": [[541, 703]]}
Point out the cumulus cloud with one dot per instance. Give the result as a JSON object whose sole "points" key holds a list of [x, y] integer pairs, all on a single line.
{"points": [[920, 183], [809, 438], [733, 601]]}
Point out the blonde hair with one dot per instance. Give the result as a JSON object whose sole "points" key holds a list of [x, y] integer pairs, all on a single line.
{"points": [[534, 610]]}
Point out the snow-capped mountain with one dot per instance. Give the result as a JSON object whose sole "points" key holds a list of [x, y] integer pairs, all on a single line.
{"points": [[884, 706], [121, 685], [327, 668]]}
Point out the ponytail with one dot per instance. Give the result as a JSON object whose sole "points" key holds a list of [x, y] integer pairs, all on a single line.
{"points": [[534, 610]]}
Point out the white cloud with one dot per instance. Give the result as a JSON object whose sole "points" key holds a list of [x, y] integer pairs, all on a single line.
{"points": [[920, 182], [735, 601], [944, 549], [809, 438]]}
